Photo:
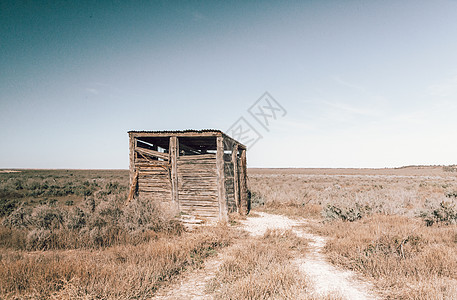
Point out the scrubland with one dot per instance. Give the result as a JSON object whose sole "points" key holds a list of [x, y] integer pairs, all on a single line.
{"points": [[95, 247], [68, 234], [395, 227]]}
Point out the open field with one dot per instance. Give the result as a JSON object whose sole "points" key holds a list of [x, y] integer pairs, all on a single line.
{"points": [[397, 227], [68, 234]]}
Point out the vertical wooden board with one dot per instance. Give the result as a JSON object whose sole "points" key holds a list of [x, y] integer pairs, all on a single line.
{"points": [[245, 205], [229, 186], [236, 183], [174, 151], [131, 158], [223, 215]]}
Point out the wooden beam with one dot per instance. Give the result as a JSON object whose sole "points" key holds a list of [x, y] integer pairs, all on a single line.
{"points": [[240, 146], [189, 149], [131, 157], [245, 202], [236, 179], [174, 152], [152, 153], [147, 145], [223, 213], [133, 187]]}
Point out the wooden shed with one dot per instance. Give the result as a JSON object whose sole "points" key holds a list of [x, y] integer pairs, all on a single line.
{"points": [[202, 172]]}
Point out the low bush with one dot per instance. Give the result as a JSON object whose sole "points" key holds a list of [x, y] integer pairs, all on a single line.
{"points": [[445, 212], [97, 223], [346, 211]]}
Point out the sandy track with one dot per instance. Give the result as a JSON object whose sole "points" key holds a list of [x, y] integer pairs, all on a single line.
{"points": [[327, 279], [192, 284]]}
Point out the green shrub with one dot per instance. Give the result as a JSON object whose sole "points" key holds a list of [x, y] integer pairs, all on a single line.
{"points": [[346, 211], [99, 222], [445, 212]]}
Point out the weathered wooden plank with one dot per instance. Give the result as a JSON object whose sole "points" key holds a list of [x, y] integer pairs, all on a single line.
{"points": [[221, 179], [210, 198], [155, 181], [199, 204], [174, 152], [151, 175], [131, 158], [199, 166], [199, 157], [152, 153], [151, 163], [195, 198], [133, 188], [201, 210], [199, 177], [245, 206], [155, 188]]}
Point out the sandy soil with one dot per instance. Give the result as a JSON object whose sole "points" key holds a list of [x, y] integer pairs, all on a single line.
{"points": [[327, 279], [192, 284]]}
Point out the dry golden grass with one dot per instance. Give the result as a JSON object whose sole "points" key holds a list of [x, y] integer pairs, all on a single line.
{"points": [[127, 271], [402, 256], [261, 269], [307, 194], [108, 257], [388, 241]]}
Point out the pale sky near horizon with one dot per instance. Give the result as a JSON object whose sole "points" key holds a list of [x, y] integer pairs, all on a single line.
{"points": [[364, 83]]}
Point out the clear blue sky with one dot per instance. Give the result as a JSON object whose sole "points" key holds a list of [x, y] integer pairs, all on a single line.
{"points": [[364, 83]]}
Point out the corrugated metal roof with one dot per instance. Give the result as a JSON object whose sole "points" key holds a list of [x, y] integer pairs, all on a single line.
{"points": [[178, 131]]}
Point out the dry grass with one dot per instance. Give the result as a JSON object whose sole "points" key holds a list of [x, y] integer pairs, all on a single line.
{"points": [[307, 194], [402, 256], [261, 269], [50, 249], [378, 223], [127, 271], [84, 243]]}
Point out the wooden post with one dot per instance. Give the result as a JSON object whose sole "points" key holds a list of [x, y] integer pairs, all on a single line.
{"points": [[132, 145], [245, 205], [133, 187], [236, 179], [223, 213], [173, 159]]}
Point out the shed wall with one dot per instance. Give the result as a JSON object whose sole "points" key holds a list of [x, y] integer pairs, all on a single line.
{"points": [[154, 183], [197, 185]]}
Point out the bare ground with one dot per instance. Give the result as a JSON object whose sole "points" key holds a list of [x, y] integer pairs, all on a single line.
{"points": [[327, 279], [192, 284]]}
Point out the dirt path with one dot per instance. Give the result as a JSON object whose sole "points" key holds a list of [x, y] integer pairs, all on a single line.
{"points": [[192, 284], [327, 280]]}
